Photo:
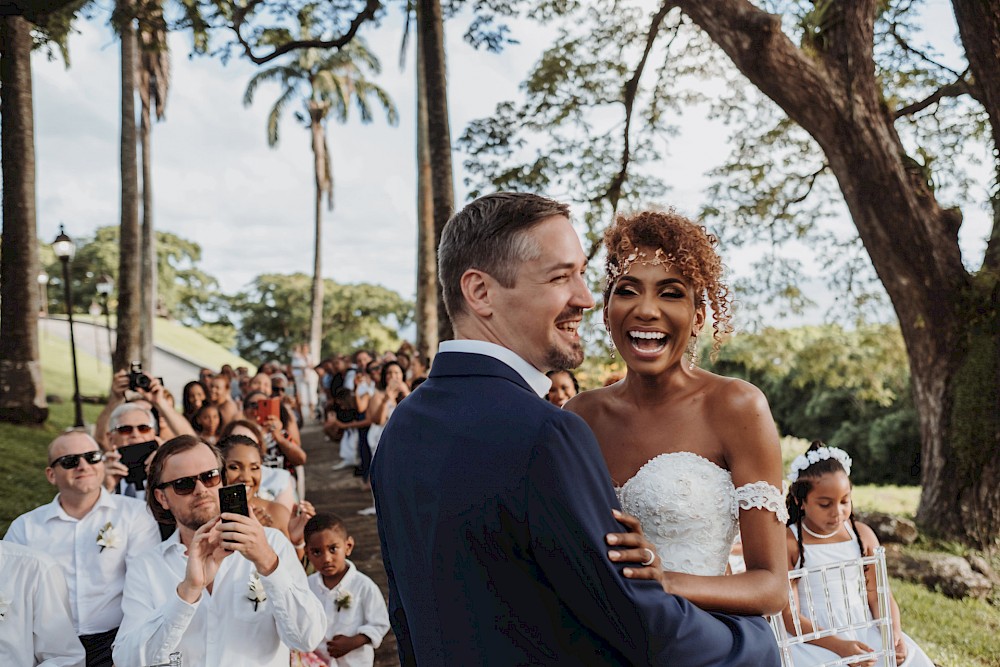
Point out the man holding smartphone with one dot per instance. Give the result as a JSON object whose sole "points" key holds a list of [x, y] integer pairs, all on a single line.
{"points": [[222, 590], [92, 534]]}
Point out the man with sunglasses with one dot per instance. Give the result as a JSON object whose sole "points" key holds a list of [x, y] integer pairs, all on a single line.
{"points": [[129, 424], [92, 534], [222, 590]]}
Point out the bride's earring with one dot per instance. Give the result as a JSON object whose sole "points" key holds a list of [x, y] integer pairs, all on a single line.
{"points": [[611, 344], [692, 351]]}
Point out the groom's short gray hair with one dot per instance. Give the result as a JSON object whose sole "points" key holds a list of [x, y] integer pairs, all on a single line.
{"points": [[489, 235]]}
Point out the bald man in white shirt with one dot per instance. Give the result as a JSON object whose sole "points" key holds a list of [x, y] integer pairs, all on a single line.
{"points": [[91, 534]]}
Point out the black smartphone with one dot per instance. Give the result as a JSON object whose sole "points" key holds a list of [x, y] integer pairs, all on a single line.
{"points": [[233, 498], [134, 458]]}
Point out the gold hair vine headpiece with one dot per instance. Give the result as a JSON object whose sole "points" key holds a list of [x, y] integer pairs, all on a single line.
{"points": [[615, 270]]}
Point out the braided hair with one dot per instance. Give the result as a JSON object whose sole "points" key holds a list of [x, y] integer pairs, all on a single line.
{"points": [[800, 488]]}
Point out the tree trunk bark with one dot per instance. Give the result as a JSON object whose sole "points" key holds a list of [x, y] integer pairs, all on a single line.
{"points": [[427, 309], [149, 277], [22, 396], [316, 307], [129, 264], [948, 320], [430, 24]]}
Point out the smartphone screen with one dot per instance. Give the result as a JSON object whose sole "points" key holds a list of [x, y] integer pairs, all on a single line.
{"points": [[134, 458], [233, 499]]}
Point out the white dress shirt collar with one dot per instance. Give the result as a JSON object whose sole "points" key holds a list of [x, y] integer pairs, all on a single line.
{"points": [[537, 380]]}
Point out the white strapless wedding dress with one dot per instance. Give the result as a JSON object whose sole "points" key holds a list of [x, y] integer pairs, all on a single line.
{"points": [[689, 509]]}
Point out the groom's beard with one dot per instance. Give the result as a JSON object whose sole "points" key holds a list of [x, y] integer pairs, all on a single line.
{"points": [[566, 357]]}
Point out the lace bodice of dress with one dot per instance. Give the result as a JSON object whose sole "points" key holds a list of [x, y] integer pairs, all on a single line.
{"points": [[689, 509]]}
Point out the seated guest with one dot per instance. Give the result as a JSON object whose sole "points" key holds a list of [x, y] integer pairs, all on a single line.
{"points": [[91, 534], [222, 590], [241, 457], [34, 611], [129, 424], [221, 397], [276, 484], [564, 387], [193, 396], [168, 422], [206, 423]]}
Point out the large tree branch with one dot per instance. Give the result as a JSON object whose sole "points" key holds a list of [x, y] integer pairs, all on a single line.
{"points": [[240, 18], [953, 89], [979, 27], [631, 90]]}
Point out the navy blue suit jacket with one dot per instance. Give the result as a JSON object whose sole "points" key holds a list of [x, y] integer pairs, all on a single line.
{"points": [[492, 509]]}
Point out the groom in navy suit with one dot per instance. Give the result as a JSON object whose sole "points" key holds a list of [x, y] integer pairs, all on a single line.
{"points": [[493, 505]]}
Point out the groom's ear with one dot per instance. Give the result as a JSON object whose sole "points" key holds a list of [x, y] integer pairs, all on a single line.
{"points": [[477, 289]]}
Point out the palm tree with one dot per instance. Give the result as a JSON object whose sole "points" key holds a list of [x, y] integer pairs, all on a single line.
{"points": [[325, 82], [129, 264], [154, 84]]}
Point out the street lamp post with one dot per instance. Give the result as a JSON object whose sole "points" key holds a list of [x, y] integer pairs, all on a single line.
{"points": [[64, 249], [43, 296], [104, 287]]}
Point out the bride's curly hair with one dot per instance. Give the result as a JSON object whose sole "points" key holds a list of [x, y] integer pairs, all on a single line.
{"points": [[688, 246]]}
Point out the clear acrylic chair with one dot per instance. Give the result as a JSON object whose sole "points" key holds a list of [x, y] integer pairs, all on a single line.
{"points": [[174, 661], [835, 580]]}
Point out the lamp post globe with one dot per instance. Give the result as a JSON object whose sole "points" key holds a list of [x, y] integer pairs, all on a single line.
{"points": [[65, 249]]}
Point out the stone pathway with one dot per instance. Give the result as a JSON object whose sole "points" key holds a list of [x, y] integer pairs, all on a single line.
{"points": [[340, 492]]}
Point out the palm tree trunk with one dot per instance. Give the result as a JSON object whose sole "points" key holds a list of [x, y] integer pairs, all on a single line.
{"points": [[430, 24], [316, 307], [427, 316], [22, 396], [149, 286], [129, 266]]}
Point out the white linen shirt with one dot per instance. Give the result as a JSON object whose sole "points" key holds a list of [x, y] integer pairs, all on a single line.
{"points": [[367, 615], [222, 627], [94, 576], [35, 628]]}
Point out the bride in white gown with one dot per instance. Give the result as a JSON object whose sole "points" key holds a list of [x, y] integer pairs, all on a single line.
{"points": [[693, 455]]}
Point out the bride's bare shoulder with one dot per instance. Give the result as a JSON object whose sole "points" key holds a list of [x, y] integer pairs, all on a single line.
{"points": [[590, 404]]}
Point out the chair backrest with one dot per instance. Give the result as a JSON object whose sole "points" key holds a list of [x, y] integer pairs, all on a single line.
{"points": [[825, 593]]}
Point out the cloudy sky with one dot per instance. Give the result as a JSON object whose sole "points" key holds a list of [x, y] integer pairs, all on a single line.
{"points": [[250, 207]]}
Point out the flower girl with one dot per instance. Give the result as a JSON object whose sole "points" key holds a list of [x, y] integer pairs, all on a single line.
{"points": [[822, 530]]}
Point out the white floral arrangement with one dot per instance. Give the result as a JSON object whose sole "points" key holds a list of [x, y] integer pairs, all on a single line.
{"points": [[343, 600], [108, 537], [4, 608], [257, 594], [803, 461]]}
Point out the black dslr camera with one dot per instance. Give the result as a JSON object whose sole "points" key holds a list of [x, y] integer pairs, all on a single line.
{"points": [[136, 378]]}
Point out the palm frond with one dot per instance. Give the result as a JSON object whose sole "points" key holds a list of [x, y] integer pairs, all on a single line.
{"points": [[279, 72], [275, 115]]}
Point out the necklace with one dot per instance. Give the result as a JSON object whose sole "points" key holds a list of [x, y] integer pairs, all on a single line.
{"points": [[819, 536]]}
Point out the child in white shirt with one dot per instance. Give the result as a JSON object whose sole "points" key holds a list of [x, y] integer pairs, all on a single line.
{"points": [[357, 615]]}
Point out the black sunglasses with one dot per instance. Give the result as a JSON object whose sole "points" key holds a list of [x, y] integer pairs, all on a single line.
{"points": [[71, 461], [185, 485], [126, 429]]}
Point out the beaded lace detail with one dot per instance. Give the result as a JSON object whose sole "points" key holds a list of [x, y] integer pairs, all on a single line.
{"points": [[689, 509], [764, 496]]}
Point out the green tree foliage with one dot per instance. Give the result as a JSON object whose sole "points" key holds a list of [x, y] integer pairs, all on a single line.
{"points": [[186, 292], [847, 388], [273, 315]]}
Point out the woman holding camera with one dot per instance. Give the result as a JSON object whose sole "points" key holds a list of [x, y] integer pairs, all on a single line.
{"points": [[281, 449]]}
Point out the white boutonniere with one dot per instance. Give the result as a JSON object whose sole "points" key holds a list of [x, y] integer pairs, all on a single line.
{"points": [[108, 538], [343, 600], [4, 608], [257, 594]]}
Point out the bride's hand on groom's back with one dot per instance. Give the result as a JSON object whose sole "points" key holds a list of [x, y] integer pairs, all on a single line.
{"points": [[633, 549]]}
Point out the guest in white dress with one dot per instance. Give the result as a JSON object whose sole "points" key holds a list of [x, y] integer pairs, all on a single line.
{"points": [[693, 455], [822, 530]]}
